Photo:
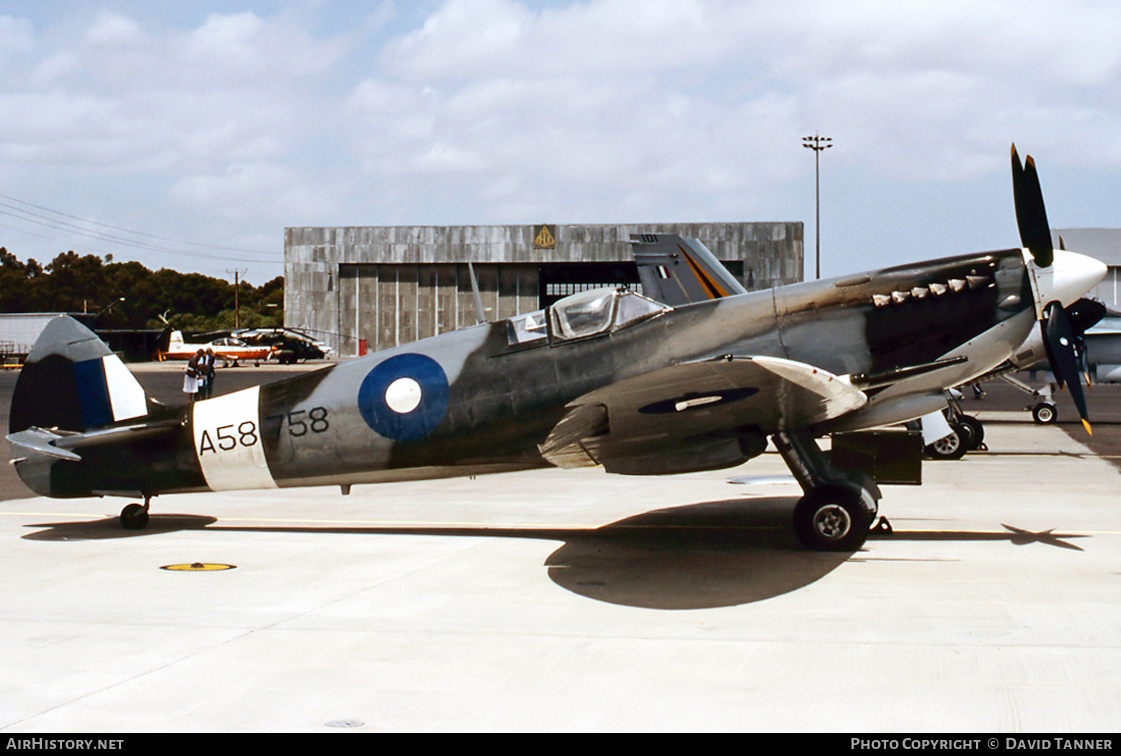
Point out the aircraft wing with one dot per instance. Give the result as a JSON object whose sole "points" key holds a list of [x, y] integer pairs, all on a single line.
{"points": [[695, 411], [679, 271]]}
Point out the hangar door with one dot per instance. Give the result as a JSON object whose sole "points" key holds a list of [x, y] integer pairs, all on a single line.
{"points": [[382, 306]]}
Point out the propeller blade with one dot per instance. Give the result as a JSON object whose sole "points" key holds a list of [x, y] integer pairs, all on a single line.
{"points": [[1084, 314], [1031, 215], [1060, 343]]}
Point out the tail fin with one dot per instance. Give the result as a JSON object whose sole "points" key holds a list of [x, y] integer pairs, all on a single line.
{"points": [[72, 382], [679, 271]]}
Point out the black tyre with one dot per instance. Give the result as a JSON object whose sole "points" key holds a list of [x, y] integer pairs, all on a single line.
{"points": [[134, 517], [951, 447], [834, 517], [1045, 413], [974, 432]]}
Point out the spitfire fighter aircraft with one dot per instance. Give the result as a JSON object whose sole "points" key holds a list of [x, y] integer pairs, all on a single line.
{"points": [[605, 377]]}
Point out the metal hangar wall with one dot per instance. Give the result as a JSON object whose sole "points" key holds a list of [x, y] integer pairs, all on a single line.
{"points": [[374, 287]]}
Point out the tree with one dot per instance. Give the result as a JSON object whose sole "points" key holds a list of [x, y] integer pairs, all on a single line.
{"points": [[129, 296]]}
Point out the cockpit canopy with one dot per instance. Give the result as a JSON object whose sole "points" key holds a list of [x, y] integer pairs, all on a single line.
{"points": [[582, 315]]}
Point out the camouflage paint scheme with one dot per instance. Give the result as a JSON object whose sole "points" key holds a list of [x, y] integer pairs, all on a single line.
{"points": [[605, 378], [488, 405]]}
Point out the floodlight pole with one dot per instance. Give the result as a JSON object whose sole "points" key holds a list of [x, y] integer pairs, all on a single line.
{"points": [[817, 144]]}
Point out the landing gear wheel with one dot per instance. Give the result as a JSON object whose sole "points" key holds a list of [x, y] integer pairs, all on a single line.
{"points": [[951, 447], [1044, 413], [974, 436], [834, 517], [134, 517]]}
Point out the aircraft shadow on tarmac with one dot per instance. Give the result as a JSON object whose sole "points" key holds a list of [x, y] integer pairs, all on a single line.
{"points": [[705, 555], [110, 527], [712, 554], [1015, 536]]}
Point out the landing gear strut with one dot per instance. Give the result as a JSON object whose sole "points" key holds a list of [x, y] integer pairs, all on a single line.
{"points": [[839, 507], [135, 516], [968, 429], [1044, 411]]}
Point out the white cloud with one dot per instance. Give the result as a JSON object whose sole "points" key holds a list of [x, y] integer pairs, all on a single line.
{"points": [[113, 30], [512, 111], [236, 193], [16, 36], [482, 38]]}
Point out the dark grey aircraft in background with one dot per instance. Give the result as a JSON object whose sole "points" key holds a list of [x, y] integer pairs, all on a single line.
{"points": [[1097, 340], [605, 377]]}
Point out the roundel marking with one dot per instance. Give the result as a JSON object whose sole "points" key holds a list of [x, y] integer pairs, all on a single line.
{"points": [[405, 397]]}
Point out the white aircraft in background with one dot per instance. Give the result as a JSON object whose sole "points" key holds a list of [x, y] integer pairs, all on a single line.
{"points": [[227, 349]]}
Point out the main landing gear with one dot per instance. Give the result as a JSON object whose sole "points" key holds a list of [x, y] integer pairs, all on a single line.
{"points": [[135, 516], [839, 507], [967, 432]]}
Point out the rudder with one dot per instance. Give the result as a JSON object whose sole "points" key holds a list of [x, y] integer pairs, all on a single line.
{"points": [[71, 381]]}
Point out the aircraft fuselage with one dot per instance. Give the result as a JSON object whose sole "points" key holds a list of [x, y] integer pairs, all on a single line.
{"points": [[471, 401]]}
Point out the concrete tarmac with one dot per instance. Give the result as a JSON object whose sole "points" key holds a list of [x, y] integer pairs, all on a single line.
{"points": [[577, 601]]}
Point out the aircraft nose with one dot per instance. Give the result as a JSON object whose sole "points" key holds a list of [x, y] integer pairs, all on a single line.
{"points": [[1074, 275]]}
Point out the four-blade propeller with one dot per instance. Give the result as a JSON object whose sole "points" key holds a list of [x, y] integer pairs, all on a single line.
{"points": [[1031, 215], [1063, 329]]}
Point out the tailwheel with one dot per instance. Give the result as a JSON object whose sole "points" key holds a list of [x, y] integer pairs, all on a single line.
{"points": [[135, 516], [834, 517]]}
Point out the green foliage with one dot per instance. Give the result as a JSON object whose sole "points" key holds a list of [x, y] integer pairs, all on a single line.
{"points": [[129, 296]]}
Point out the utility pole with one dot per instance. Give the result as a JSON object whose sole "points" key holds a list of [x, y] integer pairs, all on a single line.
{"points": [[817, 144], [237, 307]]}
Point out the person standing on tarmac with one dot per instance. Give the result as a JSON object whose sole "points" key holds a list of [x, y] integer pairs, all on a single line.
{"points": [[192, 379], [207, 370]]}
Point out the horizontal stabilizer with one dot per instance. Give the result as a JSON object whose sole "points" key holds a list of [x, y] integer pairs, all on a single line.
{"points": [[36, 441], [58, 443]]}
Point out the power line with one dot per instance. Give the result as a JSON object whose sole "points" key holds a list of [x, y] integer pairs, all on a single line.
{"points": [[57, 224]]}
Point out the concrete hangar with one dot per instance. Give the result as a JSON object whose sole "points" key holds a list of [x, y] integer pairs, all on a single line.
{"points": [[373, 287]]}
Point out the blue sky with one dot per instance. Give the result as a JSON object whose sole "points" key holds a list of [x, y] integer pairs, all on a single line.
{"points": [[188, 135]]}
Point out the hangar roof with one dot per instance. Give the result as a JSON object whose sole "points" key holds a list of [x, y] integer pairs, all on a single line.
{"points": [[1100, 243]]}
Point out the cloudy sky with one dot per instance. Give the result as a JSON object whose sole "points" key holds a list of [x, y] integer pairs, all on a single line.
{"points": [[190, 134]]}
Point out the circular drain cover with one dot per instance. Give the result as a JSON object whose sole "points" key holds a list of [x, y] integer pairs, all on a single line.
{"points": [[197, 567]]}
